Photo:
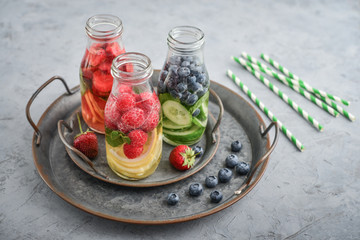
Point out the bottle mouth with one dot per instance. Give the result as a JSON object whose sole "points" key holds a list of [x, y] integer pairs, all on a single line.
{"points": [[104, 26], [185, 38], [132, 66]]}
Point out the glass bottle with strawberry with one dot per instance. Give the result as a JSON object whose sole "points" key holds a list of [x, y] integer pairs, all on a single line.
{"points": [[104, 43], [133, 119]]}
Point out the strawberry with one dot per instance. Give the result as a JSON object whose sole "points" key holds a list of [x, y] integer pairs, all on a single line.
{"points": [[86, 142], [113, 49], [138, 137], [151, 121], [131, 151], [96, 54], [133, 118], [105, 66], [182, 157], [102, 83], [125, 102]]}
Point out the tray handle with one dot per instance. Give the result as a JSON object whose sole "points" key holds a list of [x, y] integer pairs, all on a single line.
{"points": [[263, 158], [37, 131], [80, 154], [221, 113]]}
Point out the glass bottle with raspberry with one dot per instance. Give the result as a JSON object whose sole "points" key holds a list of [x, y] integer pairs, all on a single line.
{"points": [[133, 127], [104, 43]]}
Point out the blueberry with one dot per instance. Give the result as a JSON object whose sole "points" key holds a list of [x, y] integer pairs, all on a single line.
{"points": [[175, 60], [184, 71], [192, 99], [175, 94], [195, 87], [195, 189], [211, 181], [188, 58], [201, 78], [196, 112], [236, 146], [184, 96], [171, 84], [172, 199], [164, 73], [185, 64], [224, 175], [199, 151], [201, 92], [196, 70], [242, 168], [181, 87], [231, 161], [161, 87], [216, 196], [191, 80], [173, 69]]}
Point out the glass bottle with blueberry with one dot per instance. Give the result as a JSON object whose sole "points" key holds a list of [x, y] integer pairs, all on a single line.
{"points": [[183, 87]]}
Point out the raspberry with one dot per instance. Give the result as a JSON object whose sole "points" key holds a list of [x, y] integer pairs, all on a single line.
{"points": [[125, 102], [133, 118], [138, 137], [123, 128], [112, 114], [132, 152], [151, 122], [148, 102]]}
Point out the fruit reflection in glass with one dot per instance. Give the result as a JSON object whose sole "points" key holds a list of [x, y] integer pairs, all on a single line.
{"points": [[183, 87], [104, 43], [133, 130]]}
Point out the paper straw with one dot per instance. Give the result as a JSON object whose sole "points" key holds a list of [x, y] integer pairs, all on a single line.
{"points": [[263, 68], [282, 95], [301, 82], [267, 112], [338, 108]]}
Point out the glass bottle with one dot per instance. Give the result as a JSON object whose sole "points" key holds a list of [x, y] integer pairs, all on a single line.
{"points": [[183, 87], [104, 43], [133, 118]]}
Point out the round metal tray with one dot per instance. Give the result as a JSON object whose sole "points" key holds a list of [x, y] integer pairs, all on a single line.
{"points": [[148, 205]]}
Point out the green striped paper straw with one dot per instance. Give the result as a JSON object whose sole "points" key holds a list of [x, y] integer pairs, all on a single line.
{"points": [[301, 82], [263, 68], [338, 108], [267, 112], [282, 95]]}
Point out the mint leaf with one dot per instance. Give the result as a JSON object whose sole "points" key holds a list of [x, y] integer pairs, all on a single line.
{"points": [[116, 138]]}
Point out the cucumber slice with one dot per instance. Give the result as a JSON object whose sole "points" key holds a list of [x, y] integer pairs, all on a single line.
{"points": [[176, 113], [198, 122], [199, 102], [171, 125], [203, 111], [184, 136]]}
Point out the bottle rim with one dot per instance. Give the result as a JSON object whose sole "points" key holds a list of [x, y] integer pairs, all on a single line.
{"points": [[185, 38], [102, 26], [140, 64]]}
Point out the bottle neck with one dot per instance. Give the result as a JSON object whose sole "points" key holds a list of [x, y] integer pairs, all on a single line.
{"points": [[104, 27], [186, 40], [131, 67]]}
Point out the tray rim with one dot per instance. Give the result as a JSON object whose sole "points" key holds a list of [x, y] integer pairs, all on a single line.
{"points": [[216, 209]]}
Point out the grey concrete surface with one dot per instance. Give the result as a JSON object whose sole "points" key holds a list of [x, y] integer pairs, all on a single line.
{"points": [[310, 195]]}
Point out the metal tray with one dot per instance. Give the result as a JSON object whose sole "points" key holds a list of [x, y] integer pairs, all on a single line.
{"points": [[148, 205]]}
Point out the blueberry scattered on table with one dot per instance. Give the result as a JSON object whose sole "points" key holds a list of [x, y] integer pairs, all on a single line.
{"points": [[216, 196], [172, 199], [242, 168], [211, 181], [198, 151], [195, 189], [231, 161], [236, 146], [224, 175]]}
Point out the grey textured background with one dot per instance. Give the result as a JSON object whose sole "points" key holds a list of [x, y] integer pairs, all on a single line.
{"points": [[309, 195]]}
